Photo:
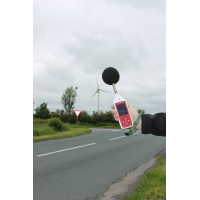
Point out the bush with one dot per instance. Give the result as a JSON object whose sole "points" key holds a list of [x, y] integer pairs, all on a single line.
{"points": [[55, 123], [65, 127], [39, 121], [42, 111], [85, 124], [58, 125], [39, 130], [102, 124]]}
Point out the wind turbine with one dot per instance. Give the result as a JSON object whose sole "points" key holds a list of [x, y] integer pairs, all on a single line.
{"points": [[98, 94]]}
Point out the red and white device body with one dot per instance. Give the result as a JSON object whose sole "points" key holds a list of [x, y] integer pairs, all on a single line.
{"points": [[122, 109]]}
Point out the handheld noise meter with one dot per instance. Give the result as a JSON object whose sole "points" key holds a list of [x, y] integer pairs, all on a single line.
{"points": [[111, 76]]}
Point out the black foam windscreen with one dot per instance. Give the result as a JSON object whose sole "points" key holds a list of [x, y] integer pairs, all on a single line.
{"points": [[110, 75]]}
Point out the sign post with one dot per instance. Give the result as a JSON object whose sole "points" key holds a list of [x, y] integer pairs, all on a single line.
{"points": [[77, 113]]}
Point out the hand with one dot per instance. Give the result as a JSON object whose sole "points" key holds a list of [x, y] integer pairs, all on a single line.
{"points": [[134, 115]]}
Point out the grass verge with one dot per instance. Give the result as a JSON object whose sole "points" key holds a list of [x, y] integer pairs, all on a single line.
{"points": [[39, 130], [153, 184], [71, 133], [87, 125]]}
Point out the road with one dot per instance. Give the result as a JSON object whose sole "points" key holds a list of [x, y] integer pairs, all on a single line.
{"points": [[83, 167]]}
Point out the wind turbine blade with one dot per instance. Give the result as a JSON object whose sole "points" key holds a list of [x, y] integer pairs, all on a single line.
{"points": [[103, 90], [95, 93], [97, 85]]}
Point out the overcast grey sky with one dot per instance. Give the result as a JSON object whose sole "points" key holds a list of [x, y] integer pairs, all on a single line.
{"points": [[75, 40]]}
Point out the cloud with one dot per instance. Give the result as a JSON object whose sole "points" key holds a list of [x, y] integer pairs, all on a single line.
{"points": [[74, 41]]}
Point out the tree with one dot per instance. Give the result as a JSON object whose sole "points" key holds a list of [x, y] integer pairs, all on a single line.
{"points": [[84, 117], [53, 114], [62, 112], [95, 117], [42, 111], [102, 116], [69, 99], [109, 117]]}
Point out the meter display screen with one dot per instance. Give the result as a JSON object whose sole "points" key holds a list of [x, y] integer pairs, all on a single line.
{"points": [[122, 110]]}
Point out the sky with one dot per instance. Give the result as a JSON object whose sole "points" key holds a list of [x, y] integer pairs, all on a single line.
{"points": [[75, 40]]}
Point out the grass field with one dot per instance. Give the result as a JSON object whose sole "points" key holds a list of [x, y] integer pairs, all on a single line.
{"points": [[153, 184], [42, 131], [71, 133]]}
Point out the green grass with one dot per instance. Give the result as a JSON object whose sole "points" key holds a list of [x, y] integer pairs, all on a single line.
{"points": [[42, 129], [71, 133], [100, 125], [81, 124], [153, 185]]}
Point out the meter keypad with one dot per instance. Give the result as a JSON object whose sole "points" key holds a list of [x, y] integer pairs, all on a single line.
{"points": [[126, 121], [124, 115]]}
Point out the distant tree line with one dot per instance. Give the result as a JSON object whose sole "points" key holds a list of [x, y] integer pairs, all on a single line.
{"points": [[43, 112], [68, 100]]}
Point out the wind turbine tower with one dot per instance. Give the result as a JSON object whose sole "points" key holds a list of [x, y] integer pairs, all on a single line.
{"points": [[98, 94]]}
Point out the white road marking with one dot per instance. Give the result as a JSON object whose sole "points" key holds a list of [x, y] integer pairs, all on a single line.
{"points": [[65, 149], [99, 129], [122, 136], [115, 130], [117, 138]]}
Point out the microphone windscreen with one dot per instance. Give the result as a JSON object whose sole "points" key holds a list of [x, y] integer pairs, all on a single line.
{"points": [[110, 75]]}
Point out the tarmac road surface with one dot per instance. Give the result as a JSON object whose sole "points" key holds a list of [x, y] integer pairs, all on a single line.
{"points": [[81, 168]]}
